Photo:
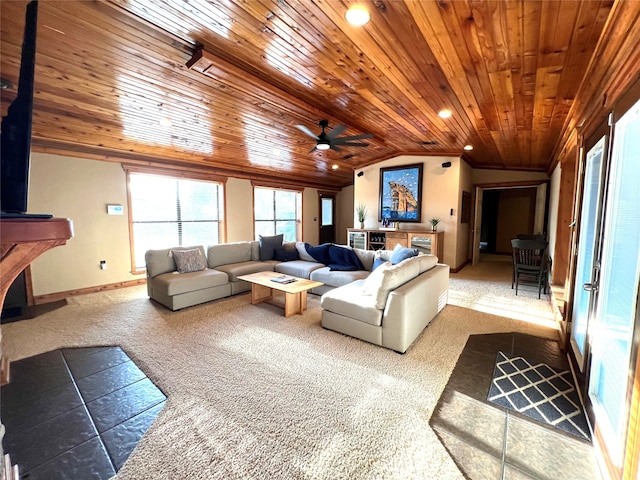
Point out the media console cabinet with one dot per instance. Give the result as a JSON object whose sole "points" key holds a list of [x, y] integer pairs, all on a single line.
{"points": [[376, 239]]}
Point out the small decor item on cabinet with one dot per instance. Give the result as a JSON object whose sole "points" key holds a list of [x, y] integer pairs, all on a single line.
{"points": [[361, 212], [434, 224]]}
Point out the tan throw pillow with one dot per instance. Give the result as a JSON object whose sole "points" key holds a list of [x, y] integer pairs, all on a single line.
{"points": [[189, 260]]}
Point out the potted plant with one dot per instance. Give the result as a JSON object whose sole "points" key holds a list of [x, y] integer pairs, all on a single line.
{"points": [[361, 212], [434, 224]]}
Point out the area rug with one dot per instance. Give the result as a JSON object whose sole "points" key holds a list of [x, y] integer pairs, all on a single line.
{"points": [[539, 392], [252, 394]]}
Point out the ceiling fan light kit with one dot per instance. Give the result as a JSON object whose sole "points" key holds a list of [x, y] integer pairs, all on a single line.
{"points": [[330, 140]]}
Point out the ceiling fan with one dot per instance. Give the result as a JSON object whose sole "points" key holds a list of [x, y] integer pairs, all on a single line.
{"points": [[330, 140]]}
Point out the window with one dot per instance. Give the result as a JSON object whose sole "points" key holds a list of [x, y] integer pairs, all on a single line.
{"points": [[168, 212], [277, 211]]}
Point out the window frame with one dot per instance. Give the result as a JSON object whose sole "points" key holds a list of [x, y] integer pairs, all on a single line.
{"points": [[299, 208], [175, 175]]}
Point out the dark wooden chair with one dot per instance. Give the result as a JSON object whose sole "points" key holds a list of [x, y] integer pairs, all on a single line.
{"points": [[529, 263], [531, 236]]}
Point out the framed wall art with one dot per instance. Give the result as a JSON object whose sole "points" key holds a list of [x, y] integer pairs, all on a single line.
{"points": [[401, 194]]}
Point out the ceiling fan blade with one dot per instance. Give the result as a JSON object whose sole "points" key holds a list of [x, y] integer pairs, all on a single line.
{"points": [[353, 137], [336, 131], [356, 144], [334, 147], [304, 129], [313, 150]]}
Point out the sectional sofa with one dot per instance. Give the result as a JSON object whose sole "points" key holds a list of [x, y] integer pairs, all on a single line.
{"points": [[388, 305]]}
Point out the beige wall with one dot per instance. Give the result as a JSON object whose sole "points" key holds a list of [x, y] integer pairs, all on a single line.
{"points": [[239, 210], [440, 192], [81, 189], [345, 209], [463, 244]]}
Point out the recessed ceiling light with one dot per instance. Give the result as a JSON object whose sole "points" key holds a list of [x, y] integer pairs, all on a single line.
{"points": [[165, 122], [468, 147], [334, 167], [275, 151], [357, 15], [444, 113]]}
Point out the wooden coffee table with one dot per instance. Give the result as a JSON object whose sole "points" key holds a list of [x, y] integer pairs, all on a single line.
{"points": [[295, 293]]}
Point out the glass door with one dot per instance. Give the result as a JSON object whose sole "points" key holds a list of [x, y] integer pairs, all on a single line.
{"points": [[587, 268], [612, 334]]}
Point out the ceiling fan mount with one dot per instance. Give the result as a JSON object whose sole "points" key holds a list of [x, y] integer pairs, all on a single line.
{"points": [[330, 140]]}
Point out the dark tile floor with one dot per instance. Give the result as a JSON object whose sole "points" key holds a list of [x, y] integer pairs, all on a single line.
{"points": [[76, 413], [490, 442]]}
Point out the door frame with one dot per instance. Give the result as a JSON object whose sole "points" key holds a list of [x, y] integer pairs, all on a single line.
{"points": [[321, 196], [541, 213]]}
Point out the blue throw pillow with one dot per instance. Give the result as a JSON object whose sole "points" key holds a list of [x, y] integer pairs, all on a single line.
{"points": [[268, 246], [377, 262], [403, 253]]}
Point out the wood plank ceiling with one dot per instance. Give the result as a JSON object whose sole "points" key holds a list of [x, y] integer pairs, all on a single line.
{"points": [[108, 72]]}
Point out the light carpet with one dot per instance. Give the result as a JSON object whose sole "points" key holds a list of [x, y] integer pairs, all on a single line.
{"points": [[252, 394]]}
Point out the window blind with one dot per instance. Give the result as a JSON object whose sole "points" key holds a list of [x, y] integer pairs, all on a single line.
{"points": [[168, 212]]}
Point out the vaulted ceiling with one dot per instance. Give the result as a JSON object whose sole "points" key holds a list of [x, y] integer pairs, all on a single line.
{"points": [[108, 73]]}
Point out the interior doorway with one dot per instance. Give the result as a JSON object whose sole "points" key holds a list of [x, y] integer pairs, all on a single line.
{"points": [[502, 212], [327, 217]]}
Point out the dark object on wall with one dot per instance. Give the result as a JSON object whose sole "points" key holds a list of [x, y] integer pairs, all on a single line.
{"points": [[16, 127], [360, 174], [401, 193], [446, 164], [465, 210]]}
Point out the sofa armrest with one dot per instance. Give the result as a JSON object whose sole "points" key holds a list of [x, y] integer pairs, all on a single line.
{"points": [[412, 306]]}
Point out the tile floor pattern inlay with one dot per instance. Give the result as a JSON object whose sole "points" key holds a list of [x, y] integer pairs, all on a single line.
{"points": [[540, 392], [490, 442], [76, 413]]}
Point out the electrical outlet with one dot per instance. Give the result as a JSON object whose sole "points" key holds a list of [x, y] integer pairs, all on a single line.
{"points": [[103, 264]]}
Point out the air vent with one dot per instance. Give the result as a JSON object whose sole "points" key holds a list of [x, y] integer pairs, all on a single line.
{"points": [[428, 143]]}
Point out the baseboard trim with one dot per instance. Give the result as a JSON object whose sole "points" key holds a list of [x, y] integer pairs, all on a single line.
{"points": [[56, 297], [460, 267]]}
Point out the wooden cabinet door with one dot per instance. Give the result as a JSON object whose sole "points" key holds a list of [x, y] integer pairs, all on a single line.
{"points": [[393, 238]]}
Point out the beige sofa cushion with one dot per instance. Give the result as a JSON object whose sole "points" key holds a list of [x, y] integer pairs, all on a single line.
{"points": [[227, 253], [234, 270], [302, 252], [298, 268], [366, 257], [161, 261], [387, 277], [337, 278], [349, 301], [426, 262], [176, 283]]}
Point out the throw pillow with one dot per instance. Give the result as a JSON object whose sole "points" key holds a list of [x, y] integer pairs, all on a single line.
{"points": [[380, 257], [402, 253], [283, 254], [268, 246], [189, 260]]}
